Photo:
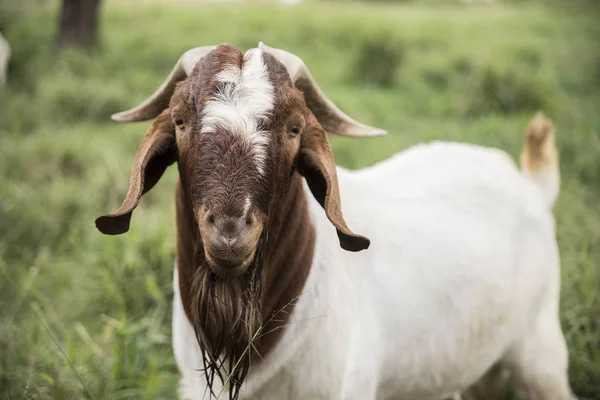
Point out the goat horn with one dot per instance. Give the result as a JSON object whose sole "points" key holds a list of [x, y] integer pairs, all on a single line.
{"points": [[329, 116], [159, 100]]}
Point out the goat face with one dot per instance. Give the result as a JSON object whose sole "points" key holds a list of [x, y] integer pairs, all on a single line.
{"points": [[238, 125]]}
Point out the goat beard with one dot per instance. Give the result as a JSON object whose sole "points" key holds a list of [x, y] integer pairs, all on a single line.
{"points": [[227, 318]]}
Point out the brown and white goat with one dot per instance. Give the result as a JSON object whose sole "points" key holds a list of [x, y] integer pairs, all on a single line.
{"points": [[273, 295]]}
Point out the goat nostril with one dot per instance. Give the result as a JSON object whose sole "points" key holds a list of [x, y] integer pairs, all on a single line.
{"points": [[249, 221], [229, 240], [211, 219]]}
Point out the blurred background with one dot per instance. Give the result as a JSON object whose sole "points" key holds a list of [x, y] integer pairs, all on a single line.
{"points": [[84, 315]]}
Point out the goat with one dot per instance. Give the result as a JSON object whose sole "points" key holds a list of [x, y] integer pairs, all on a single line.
{"points": [[275, 297]]}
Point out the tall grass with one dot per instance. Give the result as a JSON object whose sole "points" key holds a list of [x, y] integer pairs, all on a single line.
{"points": [[88, 316]]}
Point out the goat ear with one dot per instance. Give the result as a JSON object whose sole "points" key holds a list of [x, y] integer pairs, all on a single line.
{"points": [[316, 163], [157, 151]]}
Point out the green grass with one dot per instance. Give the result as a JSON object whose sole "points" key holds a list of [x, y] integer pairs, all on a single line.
{"points": [[84, 315]]}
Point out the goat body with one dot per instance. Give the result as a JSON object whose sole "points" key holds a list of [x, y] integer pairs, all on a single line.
{"points": [[463, 273]]}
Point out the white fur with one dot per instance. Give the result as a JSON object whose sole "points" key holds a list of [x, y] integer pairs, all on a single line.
{"points": [[462, 272], [247, 204], [245, 100], [548, 181]]}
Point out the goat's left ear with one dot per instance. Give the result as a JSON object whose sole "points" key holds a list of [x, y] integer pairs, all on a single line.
{"points": [[316, 163], [157, 151]]}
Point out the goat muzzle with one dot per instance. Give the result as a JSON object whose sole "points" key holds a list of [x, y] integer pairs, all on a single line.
{"points": [[230, 242]]}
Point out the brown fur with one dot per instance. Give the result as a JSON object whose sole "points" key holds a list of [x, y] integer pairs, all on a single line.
{"points": [[539, 149], [239, 315]]}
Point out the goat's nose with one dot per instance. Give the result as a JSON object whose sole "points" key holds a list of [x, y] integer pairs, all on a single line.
{"points": [[228, 229], [229, 240]]}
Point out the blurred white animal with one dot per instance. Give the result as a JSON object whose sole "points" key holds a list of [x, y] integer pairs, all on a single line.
{"points": [[5, 53]]}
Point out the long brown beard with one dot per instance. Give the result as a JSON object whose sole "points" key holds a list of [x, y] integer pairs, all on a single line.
{"points": [[227, 317], [226, 313]]}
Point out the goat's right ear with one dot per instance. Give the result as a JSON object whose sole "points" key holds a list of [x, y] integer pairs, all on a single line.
{"points": [[157, 151]]}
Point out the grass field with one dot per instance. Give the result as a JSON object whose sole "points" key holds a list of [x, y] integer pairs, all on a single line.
{"points": [[84, 315]]}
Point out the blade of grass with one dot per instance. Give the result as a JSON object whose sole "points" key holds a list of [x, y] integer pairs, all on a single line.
{"points": [[36, 310]]}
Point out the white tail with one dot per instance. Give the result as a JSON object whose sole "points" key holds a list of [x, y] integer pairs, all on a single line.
{"points": [[539, 158]]}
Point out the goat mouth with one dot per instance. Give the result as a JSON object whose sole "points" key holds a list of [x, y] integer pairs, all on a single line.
{"points": [[231, 266]]}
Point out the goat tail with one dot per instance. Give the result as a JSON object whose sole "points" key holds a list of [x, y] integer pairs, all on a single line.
{"points": [[539, 157]]}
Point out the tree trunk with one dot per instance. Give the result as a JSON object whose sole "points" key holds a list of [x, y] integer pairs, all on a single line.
{"points": [[78, 23]]}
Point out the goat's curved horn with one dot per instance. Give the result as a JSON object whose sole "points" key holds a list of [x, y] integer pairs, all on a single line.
{"points": [[329, 116], [159, 100]]}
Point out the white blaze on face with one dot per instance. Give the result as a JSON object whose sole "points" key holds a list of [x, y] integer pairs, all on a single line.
{"points": [[247, 205], [245, 99]]}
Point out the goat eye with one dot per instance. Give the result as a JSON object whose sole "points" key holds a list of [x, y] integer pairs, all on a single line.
{"points": [[295, 130], [179, 123]]}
